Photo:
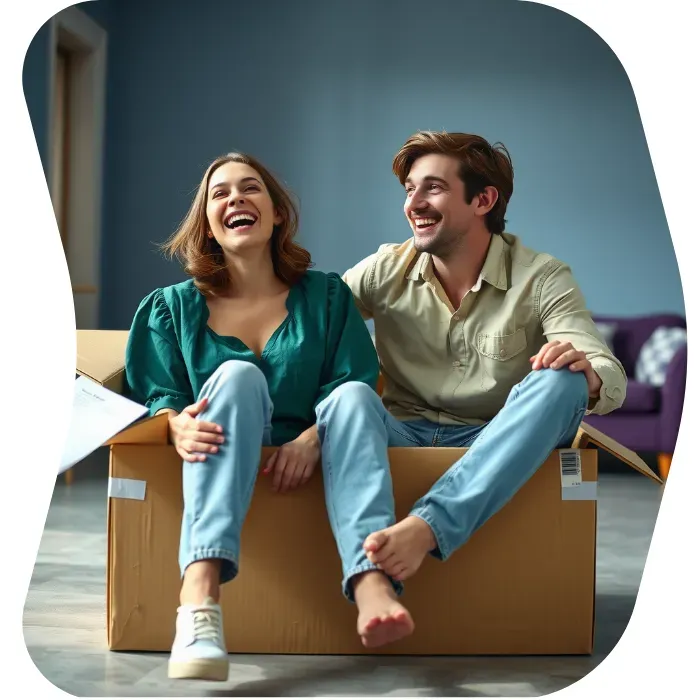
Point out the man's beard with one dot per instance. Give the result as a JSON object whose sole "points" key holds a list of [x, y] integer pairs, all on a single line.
{"points": [[442, 245]]}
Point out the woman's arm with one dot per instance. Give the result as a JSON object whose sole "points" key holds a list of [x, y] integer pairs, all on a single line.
{"points": [[156, 376]]}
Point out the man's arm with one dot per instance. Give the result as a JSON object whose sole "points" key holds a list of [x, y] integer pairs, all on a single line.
{"points": [[565, 318], [359, 279]]}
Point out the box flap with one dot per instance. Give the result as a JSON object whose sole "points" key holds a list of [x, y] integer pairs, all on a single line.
{"points": [[149, 431], [100, 355], [587, 433]]}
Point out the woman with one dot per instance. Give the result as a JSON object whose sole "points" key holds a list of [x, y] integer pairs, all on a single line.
{"points": [[254, 349]]}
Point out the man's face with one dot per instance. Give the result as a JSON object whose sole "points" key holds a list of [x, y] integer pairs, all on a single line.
{"points": [[435, 206]]}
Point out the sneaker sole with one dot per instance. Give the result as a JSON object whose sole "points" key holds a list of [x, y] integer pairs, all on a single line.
{"points": [[200, 669]]}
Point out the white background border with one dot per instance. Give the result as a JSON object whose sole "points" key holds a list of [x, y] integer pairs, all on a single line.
{"points": [[657, 45]]}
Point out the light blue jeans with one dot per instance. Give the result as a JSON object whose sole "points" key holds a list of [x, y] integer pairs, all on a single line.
{"points": [[542, 413], [217, 492]]}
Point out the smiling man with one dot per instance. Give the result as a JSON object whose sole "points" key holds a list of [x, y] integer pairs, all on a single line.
{"points": [[483, 342]]}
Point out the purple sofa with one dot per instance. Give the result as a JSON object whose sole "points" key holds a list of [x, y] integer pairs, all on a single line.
{"points": [[649, 418]]}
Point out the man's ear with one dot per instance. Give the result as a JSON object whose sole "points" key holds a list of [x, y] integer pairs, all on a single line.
{"points": [[486, 200]]}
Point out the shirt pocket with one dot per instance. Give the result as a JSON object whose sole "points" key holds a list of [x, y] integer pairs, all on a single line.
{"points": [[503, 359], [501, 347]]}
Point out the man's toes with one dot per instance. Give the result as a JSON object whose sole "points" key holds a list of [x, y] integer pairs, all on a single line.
{"points": [[372, 623], [375, 541], [400, 616]]}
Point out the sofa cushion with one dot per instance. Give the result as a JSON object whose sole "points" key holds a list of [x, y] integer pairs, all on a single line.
{"points": [[656, 354], [641, 398]]}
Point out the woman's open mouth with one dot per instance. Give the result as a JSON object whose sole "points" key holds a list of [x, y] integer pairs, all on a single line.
{"points": [[240, 221]]}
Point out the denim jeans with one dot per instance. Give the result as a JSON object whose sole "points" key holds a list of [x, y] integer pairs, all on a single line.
{"points": [[542, 413], [217, 492]]}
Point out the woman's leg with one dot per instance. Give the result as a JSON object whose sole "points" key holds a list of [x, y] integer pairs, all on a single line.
{"points": [[354, 433], [217, 495]]}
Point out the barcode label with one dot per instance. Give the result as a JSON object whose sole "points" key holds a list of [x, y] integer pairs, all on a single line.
{"points": [[570, 462]]}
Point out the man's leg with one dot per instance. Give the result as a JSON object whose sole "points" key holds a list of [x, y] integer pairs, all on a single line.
{"points": [[542, 413], [217, 495], [352, 426]]}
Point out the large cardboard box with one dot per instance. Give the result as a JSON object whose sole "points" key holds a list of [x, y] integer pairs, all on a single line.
{"points": [[524, 584]]}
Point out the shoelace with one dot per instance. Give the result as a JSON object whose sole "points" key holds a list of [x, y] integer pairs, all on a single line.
{"points": [[206, 624]]}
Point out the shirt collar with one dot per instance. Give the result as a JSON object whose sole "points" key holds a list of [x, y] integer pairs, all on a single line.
{"points": [[494, 270]]}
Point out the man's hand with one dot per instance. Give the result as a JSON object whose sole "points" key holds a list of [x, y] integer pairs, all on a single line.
{"points": [[556, 355], [294, 462]]}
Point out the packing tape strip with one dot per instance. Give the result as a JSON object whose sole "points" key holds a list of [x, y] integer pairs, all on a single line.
{"points": [[126, 488], [585, 491]]}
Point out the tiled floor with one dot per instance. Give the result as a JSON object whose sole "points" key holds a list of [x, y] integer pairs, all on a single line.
{"points": [[64, 619]]}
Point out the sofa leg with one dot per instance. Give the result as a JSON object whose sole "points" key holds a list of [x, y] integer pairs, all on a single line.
{"points": [[664, 462]]}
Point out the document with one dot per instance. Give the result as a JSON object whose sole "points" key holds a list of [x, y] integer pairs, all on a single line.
{"points": [[98, 415]]}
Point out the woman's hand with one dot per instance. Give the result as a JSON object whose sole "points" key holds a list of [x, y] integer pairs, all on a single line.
{"points": [[294, 462], [193, 437]]}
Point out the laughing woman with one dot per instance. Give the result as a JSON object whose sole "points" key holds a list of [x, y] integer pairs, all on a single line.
{"points": [[254, 350]]}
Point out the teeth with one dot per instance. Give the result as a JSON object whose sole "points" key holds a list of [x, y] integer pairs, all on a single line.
{"points": [[239, 217], [425, 222]]}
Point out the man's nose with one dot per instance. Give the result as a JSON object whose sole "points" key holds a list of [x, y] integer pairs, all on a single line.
{"points": [[415, 201]]}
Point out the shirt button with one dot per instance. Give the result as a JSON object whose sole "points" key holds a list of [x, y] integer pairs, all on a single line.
{"points": [[503, 352]]}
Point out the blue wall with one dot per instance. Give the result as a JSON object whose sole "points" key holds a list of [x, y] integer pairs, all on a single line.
{"points": [[326, 92], [35, 72]]}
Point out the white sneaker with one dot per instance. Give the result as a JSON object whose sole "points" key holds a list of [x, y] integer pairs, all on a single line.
{"points": [[199, 650]]}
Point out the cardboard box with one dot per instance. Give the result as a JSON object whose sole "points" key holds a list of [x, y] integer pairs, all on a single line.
{"points": [[524, 584]]}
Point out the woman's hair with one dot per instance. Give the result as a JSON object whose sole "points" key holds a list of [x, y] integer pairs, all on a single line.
{"points": [[203, 257], [481, 165]]}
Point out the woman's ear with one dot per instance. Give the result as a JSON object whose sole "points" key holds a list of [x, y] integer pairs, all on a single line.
{"points": [[278, 218]]}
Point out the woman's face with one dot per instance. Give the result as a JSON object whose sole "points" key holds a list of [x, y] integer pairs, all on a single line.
{"points": [[240, 212]]}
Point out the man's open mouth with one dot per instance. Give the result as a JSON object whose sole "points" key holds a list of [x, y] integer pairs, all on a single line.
{"points": [[425, 223]]}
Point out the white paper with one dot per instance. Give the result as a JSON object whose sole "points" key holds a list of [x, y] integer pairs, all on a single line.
{"points": [[98, 415]]}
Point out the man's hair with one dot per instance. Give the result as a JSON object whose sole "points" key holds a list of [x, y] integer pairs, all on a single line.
{"points": [[481, 165]]}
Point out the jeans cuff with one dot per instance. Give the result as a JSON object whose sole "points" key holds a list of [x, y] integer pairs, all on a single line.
{"points": [[348, 590], [441, 552], [229, 562]]}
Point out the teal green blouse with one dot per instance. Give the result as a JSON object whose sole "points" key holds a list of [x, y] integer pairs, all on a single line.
{"points": [[322, 343]]}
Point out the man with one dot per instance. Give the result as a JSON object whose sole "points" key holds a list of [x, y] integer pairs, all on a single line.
{"points": [[483, 343]]}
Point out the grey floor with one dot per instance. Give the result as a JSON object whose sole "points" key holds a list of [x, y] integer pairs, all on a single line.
{"points": [[64, 620]]}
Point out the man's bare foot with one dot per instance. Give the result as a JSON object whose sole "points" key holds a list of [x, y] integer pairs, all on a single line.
{"points": [[381, 618], [400, 549]]}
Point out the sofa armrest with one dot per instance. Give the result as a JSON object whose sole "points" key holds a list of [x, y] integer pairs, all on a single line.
{"points": [[672, 398]]}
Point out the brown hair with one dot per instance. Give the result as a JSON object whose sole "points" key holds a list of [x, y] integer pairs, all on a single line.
{"points": [[203, 257], [481, 165]]}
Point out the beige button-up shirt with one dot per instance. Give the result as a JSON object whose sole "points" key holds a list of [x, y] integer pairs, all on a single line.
{"points": [[458, 366]]}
